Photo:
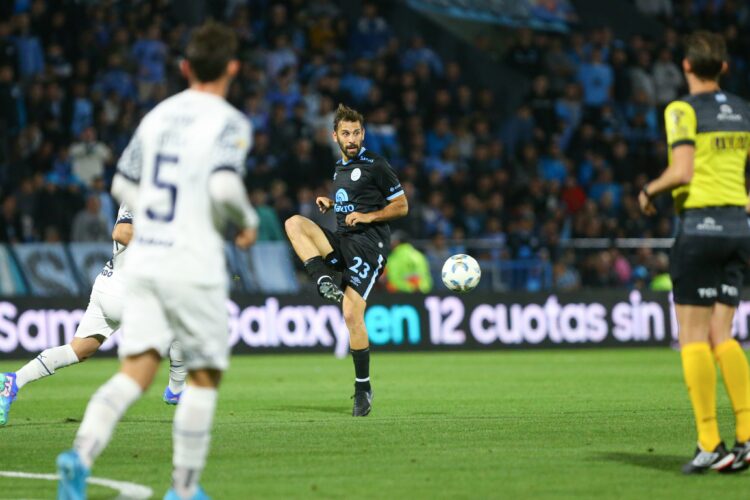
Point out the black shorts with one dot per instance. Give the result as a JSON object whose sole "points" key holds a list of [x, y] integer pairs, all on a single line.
{"points": [[359, 262], [710, 256]]}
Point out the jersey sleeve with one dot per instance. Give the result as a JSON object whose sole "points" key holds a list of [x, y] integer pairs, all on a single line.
{"points": [[387, 182], [124, 215], [130, 164], [232, 145], [681, 124]]}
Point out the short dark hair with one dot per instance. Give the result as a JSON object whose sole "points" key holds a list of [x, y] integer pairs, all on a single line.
{"points": [[346, 114], [209, 50], [706, 52]]}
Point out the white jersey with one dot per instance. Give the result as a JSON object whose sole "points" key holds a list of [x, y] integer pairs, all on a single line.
{"points": [[177, 146], [111, 275]]}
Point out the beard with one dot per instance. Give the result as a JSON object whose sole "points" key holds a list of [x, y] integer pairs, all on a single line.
{"points": [[350, 150]]}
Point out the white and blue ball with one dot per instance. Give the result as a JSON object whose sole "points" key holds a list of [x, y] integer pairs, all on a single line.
{"points": [[461, 273]]}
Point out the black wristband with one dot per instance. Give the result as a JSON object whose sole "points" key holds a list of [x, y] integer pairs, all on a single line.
{"points": [[644, 190]]}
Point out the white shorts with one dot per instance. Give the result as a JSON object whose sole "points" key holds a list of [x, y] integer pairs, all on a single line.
{"points": [[157, 313], [104, 312]]}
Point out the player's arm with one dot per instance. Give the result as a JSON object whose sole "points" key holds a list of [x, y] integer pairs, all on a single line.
{"points": [[225, 185], [391, 189], [122, 233], [128, 177], [324, 203], [230, 201], [681, 126], [395, 209]]}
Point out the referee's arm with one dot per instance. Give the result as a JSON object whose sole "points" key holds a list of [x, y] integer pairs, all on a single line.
{"points": [[681, 129]]}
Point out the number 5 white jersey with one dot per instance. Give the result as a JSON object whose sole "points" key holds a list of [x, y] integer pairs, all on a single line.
{"points": [[176, 148]]}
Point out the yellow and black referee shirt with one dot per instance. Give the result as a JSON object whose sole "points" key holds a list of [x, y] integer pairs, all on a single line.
{"points": [[718, 125]]}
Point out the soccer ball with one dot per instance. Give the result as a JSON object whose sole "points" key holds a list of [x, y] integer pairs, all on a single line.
{"points": [[461, 273]]}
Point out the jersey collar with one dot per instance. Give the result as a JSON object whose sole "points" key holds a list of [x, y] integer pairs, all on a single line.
{"points": [[361, 152]]}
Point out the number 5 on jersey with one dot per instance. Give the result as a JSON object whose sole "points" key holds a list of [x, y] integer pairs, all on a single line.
{"points": [[164, 168]]}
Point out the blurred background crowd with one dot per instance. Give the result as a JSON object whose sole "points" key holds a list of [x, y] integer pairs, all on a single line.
{"points": [[508, 184]]}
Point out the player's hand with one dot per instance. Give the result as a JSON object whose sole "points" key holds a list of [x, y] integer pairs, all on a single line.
{"points": [[358, 218], [324, 204], [647, 207], [246, 238]]}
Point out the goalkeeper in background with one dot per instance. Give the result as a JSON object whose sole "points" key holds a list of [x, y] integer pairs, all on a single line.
{"points": [[408, 269]]}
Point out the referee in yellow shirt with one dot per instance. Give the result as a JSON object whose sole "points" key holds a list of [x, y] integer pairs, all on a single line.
{"points": [[708, 134]]}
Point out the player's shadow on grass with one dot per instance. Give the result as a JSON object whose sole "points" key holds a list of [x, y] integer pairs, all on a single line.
{"points": [[664, 463], [310, 408]]}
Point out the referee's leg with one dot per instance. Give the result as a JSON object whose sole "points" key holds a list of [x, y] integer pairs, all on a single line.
{"points": [[735, 371], [699, 370]]}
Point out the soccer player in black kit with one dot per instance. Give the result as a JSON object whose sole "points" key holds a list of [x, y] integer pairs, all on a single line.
{"points": [[367, 195]]}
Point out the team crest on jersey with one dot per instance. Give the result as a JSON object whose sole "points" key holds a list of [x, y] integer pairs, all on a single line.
{"points": [[356, 174]]}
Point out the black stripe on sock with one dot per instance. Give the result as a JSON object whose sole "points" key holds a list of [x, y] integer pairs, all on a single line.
{"points": [[38, 358]]}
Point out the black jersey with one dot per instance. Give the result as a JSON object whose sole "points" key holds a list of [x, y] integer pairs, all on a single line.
{"points": [[365, 184]]}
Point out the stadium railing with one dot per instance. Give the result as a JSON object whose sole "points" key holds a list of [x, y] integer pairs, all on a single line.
{"points": [[57, 269]]}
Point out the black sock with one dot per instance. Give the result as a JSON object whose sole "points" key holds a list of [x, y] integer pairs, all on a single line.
{"points": [[361, 360], [316, 268]]}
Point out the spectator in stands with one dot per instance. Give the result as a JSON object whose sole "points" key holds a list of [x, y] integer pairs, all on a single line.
{"points": [[89, 225], [407, 269], [89, 157], [418, 53], [11, 230], [371, 32], [150, 53], [596, 79], [30, 52], [668, 78], [524, 55], [642, 77], [269, 227]]}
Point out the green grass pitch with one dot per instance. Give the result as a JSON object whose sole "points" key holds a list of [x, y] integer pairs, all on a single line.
{"points": [[546, 424]]}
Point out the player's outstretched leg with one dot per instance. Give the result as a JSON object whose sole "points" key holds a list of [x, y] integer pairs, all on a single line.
{"points": [[177, 375], [354, 316], [311, 245], [104, 411], [191, 434], [44, 365]]}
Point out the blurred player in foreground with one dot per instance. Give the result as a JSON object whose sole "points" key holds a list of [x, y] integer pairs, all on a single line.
{"points": [[368, 195], [708, 134], [102, 318], [182, 174]]}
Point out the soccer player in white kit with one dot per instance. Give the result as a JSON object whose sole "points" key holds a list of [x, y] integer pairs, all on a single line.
{"points": [[101, 319], [182, 175]]}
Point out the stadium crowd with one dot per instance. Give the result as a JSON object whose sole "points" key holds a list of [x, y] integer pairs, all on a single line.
{"points": [[568, 163]]}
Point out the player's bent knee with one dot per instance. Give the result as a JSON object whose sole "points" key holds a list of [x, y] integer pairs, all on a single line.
{"points": [[294, 224], [84, 348], [207, 377]]}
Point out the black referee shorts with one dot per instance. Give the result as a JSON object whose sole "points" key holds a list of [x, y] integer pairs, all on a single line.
{"points": [[710, 256], [359, 262]]}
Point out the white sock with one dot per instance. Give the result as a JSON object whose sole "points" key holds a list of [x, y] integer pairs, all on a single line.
{"points": [[177, 370], [46, 363], [105, 409], [191, 436]]}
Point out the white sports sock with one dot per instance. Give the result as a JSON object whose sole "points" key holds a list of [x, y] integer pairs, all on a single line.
{"points": [[177, 370], [46, 363], [105, 409], [191, 436]]}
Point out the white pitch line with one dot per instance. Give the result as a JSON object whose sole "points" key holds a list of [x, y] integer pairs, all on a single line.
{"points": [[126, 490]]}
